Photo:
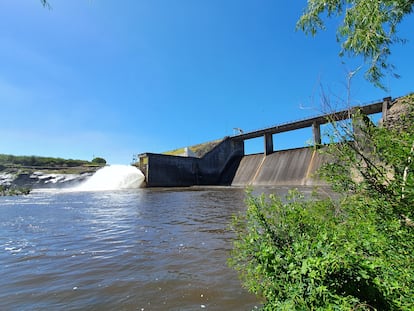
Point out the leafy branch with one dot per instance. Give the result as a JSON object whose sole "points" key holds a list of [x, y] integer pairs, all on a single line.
{"points": [[368, 29]]}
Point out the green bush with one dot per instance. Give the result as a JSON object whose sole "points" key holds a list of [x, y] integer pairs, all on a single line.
{"points": [[10, 191], [324, 254], [354, 252], [99, 161]]}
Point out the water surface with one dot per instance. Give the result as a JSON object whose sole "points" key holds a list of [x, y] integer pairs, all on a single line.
{"points": [[144, 249]]}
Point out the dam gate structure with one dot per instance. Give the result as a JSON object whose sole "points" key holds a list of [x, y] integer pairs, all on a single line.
{"points": [[224, 162]]}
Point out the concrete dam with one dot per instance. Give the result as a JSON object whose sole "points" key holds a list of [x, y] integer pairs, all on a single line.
{"points": [[223, 162], [294, 167]]}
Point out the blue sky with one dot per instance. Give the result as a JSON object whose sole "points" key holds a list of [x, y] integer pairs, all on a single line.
{"points": [[115, 78]]}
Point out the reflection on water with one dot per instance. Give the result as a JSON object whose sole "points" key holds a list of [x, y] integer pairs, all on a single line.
{"points": [[143, 249]]}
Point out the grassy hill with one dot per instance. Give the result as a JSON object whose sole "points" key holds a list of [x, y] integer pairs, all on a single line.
{"points": [[198, 150]]}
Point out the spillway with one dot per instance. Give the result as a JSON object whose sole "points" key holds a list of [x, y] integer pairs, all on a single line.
{"points": [[287, 167], [113, 177]]}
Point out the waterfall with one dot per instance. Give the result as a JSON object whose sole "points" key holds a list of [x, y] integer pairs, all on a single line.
{"points": [[113, 177]]}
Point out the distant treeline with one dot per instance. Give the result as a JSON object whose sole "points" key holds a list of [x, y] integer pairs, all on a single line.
{"points": [[7, 160]]}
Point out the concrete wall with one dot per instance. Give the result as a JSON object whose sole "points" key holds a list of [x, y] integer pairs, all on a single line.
{"points": [[170, 171], [217, 162], [293, 167], [225, 165], [247, 169], [214, 168]]}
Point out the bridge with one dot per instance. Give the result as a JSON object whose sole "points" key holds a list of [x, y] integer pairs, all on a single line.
{"points": [[315, 123]]}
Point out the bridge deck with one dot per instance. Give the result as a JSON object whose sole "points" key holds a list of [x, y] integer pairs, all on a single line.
{"points": [[318, 120]]}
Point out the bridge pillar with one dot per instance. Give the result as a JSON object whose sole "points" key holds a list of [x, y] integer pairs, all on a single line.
{"points": [[386, 104], [316, 129], [268, 138]]}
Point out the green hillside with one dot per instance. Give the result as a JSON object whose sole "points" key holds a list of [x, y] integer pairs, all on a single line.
{"points": [[198, 150], [8, 162]]}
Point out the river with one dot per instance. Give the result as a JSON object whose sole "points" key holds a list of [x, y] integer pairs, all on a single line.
{"points": [[141, 249]]}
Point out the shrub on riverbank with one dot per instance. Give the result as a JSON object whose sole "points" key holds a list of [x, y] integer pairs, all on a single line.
{"points": [[10, 191], [351, 253]]}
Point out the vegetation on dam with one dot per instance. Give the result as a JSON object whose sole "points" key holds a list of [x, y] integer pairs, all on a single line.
{"points": [[354, 252]]}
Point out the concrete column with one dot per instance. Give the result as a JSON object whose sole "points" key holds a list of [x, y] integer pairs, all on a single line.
{"points": [[316, 129], [386, 104], [268, 144]]}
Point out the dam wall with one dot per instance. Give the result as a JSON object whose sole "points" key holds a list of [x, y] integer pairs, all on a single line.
{"points": [[294, 167], [224, 161], [169, 171], [214, 168], [247, 169], [225, 165]]}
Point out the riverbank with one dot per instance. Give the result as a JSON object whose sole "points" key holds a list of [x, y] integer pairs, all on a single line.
{"points": [[11, 191], [20, 174], [21, 180]]}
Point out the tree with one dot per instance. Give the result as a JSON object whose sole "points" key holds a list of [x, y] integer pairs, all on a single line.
{"points": [[99, 161], [45, 3], [369, 29]]}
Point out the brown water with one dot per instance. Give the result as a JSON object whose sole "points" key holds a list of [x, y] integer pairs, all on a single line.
{"points": [[162, 249]]}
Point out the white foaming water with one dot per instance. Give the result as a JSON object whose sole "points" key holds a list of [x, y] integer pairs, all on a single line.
{"points": [[113, 177]]}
